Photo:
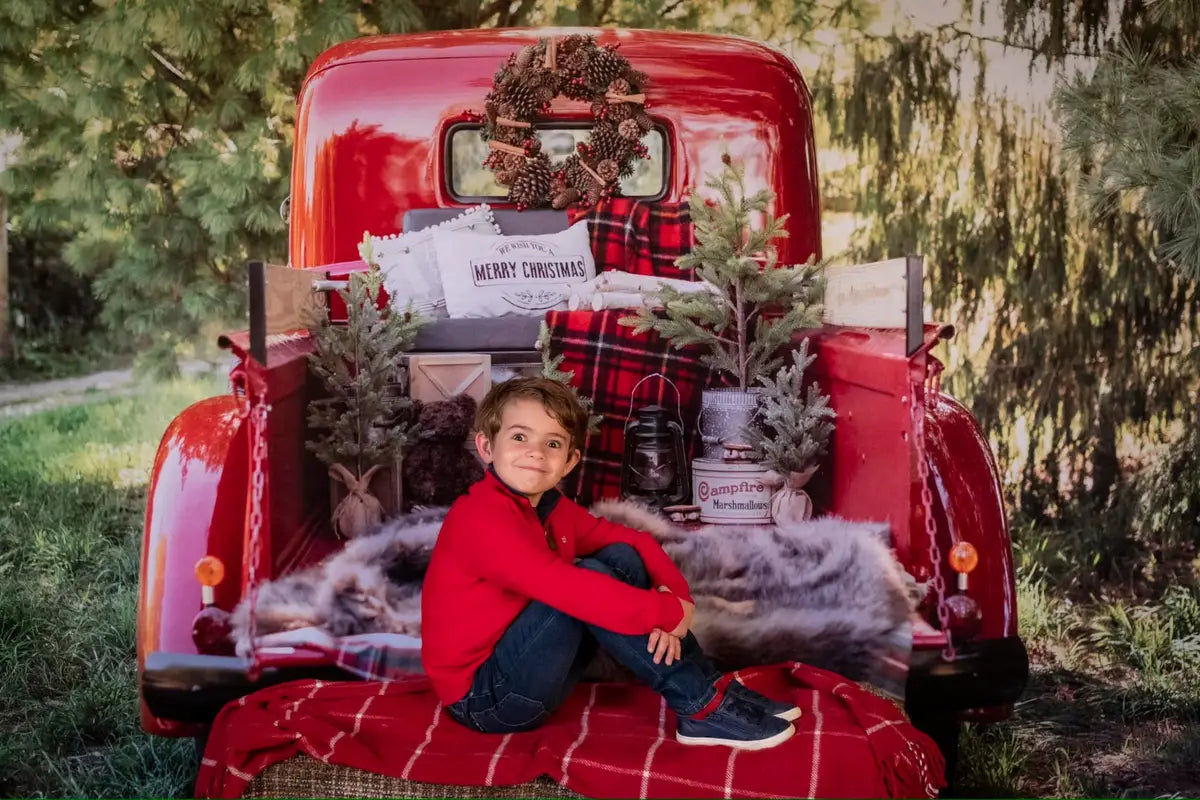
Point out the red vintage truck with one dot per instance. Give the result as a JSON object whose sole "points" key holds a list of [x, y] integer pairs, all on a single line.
{"points": [[388, 128]]}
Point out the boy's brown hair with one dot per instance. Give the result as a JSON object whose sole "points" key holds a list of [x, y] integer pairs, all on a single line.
{"points": [[558, 399]]}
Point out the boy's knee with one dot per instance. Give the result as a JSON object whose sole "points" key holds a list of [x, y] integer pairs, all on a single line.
{"points": [[624, 560]]}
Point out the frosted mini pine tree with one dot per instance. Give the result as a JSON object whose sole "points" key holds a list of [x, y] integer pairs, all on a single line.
{"points": [[792, 435]]}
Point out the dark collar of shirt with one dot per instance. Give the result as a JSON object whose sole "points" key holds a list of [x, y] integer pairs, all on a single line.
{"points": [[545, 505]]}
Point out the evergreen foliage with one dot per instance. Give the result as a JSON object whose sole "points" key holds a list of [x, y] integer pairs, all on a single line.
{"points": [[157, 135], [795, 428], [758, 304], [1070, 330], [361, 420]]}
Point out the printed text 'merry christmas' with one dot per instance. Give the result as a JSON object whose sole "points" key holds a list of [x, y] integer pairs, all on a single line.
{"points": [[556, 270]]}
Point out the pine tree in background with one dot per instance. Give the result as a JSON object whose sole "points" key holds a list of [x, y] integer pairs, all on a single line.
{"points": [[757, 305], [1134, 126], [361, 421], [795, 429]]}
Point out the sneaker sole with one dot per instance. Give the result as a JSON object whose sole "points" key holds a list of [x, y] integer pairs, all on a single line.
{"points": [[758, 744], [791, 715]]}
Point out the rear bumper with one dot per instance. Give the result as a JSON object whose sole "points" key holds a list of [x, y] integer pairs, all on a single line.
{"points": [[190, 688], [987, 674]]}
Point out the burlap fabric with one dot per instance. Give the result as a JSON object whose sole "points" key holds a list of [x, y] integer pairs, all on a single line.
{"points": [[301, 776]]}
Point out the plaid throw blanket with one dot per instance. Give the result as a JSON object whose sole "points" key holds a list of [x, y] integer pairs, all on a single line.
{"points": [[640, 237], [607, 361], [608, 740]]}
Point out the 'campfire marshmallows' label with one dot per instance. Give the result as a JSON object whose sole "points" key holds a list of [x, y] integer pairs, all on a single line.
{"points": [[731, 492], [497, 275]]}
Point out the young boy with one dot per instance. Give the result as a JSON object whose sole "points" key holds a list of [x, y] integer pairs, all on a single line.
{"points": [[524, 584]]}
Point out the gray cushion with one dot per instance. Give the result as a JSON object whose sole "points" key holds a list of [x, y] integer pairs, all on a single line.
{"points": [[478, 335], [511, 221]]}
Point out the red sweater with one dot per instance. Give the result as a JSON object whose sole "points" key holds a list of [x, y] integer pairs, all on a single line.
{"points": [[493, 557]]}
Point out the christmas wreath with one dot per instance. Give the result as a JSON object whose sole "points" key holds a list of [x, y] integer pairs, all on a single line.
{"points": [[580, 69]]}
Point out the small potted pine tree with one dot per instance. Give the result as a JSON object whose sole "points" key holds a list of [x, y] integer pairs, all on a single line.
{"points": [[754, 309], [360, 423], [792, 435]]}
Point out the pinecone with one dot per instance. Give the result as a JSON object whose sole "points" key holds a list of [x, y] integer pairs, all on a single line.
{"points": [[577, 62], [513, 162], [607, 140], [619, 112], [570, 44], [522, 101], [531, 186], [619, 86], [643, 120], [604, 67], [505, 177], [526, 56], [629, 130], [565, 197], [608, 170], [577, 176]]}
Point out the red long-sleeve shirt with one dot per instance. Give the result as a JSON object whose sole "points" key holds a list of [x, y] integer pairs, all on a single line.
{"points": [[493, 557]]}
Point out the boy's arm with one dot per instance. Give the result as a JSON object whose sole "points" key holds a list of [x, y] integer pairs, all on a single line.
{"points": [[593, 533], [497, 551]]}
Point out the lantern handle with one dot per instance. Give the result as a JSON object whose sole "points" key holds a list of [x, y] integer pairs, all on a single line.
{"points": [[678, 398]]}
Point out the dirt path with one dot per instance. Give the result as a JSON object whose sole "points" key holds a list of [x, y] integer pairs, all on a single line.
{"points": [[22, 399]]}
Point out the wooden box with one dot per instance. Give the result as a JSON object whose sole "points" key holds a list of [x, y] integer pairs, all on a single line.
{"points": [[440, 376]]}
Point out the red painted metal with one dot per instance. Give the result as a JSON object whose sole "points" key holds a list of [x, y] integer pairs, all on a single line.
{"points": [[970, 507], [373, 114], [196, 499]]}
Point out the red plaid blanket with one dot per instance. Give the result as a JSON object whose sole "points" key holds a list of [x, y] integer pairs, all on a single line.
{"points": [[608, 360], [640, 237], [608, 740]]}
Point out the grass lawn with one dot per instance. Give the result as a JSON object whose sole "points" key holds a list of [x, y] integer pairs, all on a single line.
{"points": [[1113, 709], [73, 483]]}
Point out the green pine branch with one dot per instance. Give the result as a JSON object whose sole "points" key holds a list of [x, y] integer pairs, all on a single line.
{"points": [[758, 304]]}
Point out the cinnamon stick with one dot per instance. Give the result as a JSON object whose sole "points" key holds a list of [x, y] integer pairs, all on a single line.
{"points": [[506, 148], [551, 54], [613, 97], [513, 123]]}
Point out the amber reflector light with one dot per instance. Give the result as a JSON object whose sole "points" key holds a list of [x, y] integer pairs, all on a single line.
{"points": [[210, 571], [963, 557]]}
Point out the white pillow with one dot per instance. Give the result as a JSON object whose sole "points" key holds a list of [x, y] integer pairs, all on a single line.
{"points": [[494, 276], [408, 260]]}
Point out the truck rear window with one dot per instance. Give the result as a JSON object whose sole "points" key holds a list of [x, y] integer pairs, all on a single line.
{"points": [[470, 181]]}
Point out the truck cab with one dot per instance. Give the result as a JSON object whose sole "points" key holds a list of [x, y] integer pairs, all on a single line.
{"points": [[387, 131]]}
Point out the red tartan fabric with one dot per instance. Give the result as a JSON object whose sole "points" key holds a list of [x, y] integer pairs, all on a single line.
{"points": [[608, 360], [607, 740], [640, 237]]}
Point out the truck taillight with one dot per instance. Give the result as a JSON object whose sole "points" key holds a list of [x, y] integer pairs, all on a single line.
{"points": [[963, 558], [210, 571], [212, 626]]}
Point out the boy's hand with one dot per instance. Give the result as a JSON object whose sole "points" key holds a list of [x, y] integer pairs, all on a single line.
{"points": [[685, 624], [664, 645]]}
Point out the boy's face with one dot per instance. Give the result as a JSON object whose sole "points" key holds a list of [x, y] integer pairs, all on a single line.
{"points": [[531, 452]]}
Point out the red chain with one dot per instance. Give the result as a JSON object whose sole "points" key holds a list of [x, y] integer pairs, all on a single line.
{"points": [[256, 415], [932, 386]]}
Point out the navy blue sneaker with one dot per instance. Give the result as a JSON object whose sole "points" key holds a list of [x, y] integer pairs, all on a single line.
{"points": [[735, 723], [773, 708]]}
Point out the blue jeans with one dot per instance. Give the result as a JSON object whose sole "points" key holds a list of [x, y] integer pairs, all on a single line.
{"points": [[542, 655]]}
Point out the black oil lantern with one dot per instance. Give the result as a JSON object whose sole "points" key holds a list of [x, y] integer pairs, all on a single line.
{"points": [[654, 470]]}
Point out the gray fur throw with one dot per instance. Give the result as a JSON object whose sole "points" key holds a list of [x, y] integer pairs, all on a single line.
{"points": [[827, 591]]}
